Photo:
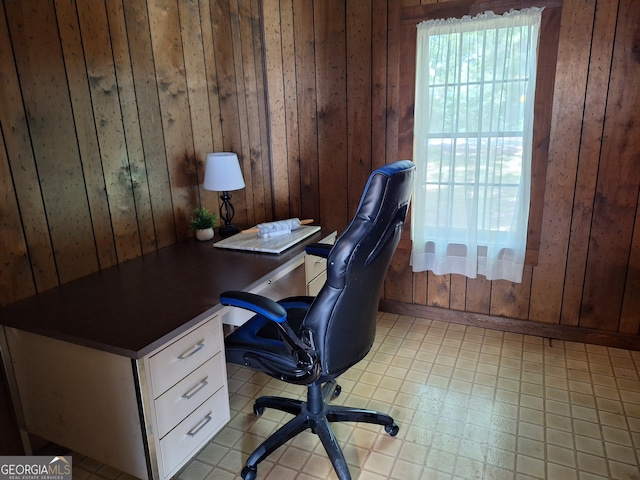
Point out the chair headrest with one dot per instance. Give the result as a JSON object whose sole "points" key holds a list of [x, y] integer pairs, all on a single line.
{"points": [[383, 204]]}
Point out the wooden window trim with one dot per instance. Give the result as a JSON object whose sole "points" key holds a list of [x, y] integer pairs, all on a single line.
{"points": [[410, 16]]}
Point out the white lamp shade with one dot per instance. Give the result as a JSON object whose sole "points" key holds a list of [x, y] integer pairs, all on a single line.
{"points": [[222, 172]]}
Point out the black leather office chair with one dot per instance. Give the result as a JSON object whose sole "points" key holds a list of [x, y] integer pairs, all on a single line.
{"points": [[312, 340]]}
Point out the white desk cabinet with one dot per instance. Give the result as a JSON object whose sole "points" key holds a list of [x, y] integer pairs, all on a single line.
{"points": [[185, 392], [79, 397], [316, 269], [161, 408]]}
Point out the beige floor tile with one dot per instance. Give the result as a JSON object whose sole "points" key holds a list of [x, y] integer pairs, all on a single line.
{"points": [[471, 403]]}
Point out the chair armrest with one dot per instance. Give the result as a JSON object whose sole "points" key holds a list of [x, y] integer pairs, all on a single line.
{"points": [[256, 303], [319, 249], [308, 364]]}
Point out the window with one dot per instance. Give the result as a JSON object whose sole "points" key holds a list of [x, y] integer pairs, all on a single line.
{"points": [[473, 143], [462, 141]]}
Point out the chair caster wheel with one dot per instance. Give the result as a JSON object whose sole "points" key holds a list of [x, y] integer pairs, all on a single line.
{"points": [[249, 473], [392, 429], [258, 410], [337, 390]]}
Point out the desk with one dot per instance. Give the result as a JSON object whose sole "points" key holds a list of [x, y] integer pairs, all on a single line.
{"points": [[127, 365]]}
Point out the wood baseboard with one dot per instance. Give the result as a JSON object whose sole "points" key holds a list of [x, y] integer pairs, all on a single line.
{"points": [[525, 327]]}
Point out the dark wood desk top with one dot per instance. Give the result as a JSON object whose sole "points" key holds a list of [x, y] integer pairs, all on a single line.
{"points": [[133, 308]]}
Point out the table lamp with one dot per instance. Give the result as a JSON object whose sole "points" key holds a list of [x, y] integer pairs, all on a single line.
{"points": [[222, 173]]}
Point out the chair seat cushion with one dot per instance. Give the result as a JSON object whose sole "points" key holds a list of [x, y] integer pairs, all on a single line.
{"points": [[259, 337]]}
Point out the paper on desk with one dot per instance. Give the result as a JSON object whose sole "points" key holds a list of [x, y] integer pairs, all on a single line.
{"points": [[267, 244]]}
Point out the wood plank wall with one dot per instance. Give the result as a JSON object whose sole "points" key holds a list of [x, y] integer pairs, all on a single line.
{"points": [[108, 108], [107, 113], [346, 123]]}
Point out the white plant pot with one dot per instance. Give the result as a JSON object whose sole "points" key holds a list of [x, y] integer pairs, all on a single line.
{"points": [[204, 235]]}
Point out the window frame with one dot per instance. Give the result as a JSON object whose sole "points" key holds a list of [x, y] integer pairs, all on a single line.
{"points": [[410, 16]]}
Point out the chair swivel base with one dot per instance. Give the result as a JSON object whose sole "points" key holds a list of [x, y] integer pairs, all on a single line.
{"points": [[315, 414]]}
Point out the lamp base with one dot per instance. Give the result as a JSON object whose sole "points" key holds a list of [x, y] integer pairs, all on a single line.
{"points": [[228, 230], [226, 214]]}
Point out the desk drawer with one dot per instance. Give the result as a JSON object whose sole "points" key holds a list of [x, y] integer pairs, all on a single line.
{"points": [[315, 285], [194, 431], [184, 397], [314, 266], [183, 356]]}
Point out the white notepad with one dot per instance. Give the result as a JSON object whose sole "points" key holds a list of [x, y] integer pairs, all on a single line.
{"points": [[253, 242]]}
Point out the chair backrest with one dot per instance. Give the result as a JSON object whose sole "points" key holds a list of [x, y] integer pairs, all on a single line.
{"points": [[342, 318]]}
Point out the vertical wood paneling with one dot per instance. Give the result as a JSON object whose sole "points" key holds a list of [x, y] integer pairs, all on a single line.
{"points": [[597, 89], [86, 131], [19, 154], [395, 286], [438, 290], [184, 78], [630, 319], [276, 102], [106, 112], [149, 81], [618, 181], [150, 120], [478, 298], [289, 68], [386, 31], [509, 299], [196, 77], [457, 294], [307, 107], [419, 284], [137, 174], [174, 109], [97, 133], [238, 106], [568, 108], [45, 94], [212, 84], [542, 113], [403, 43], [259, 195], [226, 37], [399, 138], [207, 198], [265, 171], [330, 43], [379, 71], [359, 100], [15, 270], [394, 80], [109, 121]]}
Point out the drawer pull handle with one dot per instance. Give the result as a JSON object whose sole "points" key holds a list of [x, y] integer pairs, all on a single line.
{"points": [[196, 389], [192, 351], [200, 425]]}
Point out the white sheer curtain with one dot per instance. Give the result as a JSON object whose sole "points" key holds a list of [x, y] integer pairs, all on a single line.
{"points": [[473, 129]]}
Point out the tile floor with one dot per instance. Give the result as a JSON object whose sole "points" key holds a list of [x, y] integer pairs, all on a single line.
{"points": [[471, 403]]}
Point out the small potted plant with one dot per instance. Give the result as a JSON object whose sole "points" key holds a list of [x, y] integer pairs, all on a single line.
{"points": [[202, 222]]}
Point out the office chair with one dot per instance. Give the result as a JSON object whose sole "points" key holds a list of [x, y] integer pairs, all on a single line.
{"points": [[312, 340]]}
